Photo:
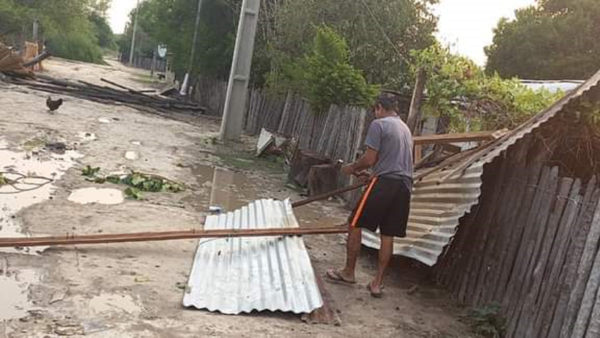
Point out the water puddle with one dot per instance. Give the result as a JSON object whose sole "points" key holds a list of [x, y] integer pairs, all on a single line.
{"points": [[15, 295], [95, 195], [114, 303], [228, 190], [131, 155], [28, 190]]}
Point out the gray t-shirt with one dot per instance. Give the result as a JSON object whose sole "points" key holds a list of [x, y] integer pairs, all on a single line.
{"points": [[392, 139]]}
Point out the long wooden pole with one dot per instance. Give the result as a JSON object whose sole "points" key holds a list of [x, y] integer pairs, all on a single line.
{"points": [[328, 195], [163, 236]]}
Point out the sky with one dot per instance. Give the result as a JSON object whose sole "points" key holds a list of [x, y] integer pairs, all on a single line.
{"points": [[118, 14], [466, 25]]}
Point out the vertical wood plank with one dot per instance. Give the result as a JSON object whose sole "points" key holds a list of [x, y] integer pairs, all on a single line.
{"points": [[582, 275], [539, 223], [558, 256]]}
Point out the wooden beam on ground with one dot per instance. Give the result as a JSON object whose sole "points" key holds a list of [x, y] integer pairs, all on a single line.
{"points": [[70, 239], [463, 137]]}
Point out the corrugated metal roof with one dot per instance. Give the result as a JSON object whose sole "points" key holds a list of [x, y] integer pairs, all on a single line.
{"points": [[552, 86], [235, 275], [442, 197]]}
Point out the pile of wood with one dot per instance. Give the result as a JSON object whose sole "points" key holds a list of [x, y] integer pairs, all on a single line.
{"points": [[11, 63], [108, 95]]}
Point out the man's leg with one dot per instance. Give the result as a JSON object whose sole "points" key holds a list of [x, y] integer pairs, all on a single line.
{"points": [[352, 252], [385, 255]]}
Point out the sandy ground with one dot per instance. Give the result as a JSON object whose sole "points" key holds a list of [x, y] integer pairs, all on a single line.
{"points": [[131, 290]]}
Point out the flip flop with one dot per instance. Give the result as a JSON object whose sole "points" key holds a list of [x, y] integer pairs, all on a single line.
{"points": [[336, 276], [373, 293]]}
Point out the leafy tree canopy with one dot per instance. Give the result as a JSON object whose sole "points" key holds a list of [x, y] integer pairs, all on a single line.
{"points": [[380, 33], [66, 25], [459, 89], [555, 39], [326, 77]]}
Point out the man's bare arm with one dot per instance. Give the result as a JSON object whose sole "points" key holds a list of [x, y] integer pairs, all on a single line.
{"points": [[366, 161]]}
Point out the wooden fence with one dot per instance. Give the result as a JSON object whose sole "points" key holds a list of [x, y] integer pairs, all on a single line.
{"points": [[146, 63], [337, 133], [530, 246]]}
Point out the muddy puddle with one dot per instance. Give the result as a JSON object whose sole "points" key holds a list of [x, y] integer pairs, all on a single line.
{"points": [[31, 181], [15, 293], [107, 303], [98, 196], [228, 191]]}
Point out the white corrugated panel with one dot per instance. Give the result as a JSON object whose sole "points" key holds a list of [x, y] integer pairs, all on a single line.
{"points": [[437, 205], [235, 275]]}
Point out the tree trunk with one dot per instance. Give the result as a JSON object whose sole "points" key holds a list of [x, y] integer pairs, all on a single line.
{"points": [[322, 179], [303, 161]]}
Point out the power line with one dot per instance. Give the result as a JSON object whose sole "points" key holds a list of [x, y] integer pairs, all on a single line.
{"points": [[383, 32]]}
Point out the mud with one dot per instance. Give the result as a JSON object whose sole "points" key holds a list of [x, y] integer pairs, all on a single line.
{"points": [[133, 289], [31, 179], [15, 294], [95, 195]]}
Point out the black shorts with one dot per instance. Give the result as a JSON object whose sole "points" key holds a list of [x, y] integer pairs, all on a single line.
{"points": [[384, 205]]}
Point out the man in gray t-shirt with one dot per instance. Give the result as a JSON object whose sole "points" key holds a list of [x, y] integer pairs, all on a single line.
{"points": [[385, 204]]}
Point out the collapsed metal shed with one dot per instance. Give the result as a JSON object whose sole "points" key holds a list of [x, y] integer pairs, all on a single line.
{"points": [[529, 247], [448, 192]]}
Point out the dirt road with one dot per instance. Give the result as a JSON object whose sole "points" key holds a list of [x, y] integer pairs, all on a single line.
{"points": [[133, 290]]}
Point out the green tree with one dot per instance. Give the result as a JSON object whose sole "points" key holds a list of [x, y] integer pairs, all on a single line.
{"points": [[102, 31], [380, 33], [171, 22], [329, 78], [64, 25], [459, 89], [555, 39]]}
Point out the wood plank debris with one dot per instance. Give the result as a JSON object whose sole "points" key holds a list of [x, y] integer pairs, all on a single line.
{"points": [[108, 95], [459, 137]]}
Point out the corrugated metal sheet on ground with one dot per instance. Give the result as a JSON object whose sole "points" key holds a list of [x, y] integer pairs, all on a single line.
{"points": [[235, 275], [437, 205]]}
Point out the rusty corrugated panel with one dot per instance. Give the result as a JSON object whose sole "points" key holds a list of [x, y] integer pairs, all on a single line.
{"points": [[440, 200], [241, 275]]}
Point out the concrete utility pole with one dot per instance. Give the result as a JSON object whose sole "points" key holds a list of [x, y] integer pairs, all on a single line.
{"points": [[135, 23], [186, 79], [237, 90], [36, 28]]}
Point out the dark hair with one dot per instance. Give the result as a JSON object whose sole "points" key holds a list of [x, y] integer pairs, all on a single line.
{"points": [[387, 102]]}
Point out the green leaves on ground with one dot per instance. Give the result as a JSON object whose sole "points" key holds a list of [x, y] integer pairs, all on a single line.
{"points": [[487, 321], [90, 172], [134, 193], [136, 181]]}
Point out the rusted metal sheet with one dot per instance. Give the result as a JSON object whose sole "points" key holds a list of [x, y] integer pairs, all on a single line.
{"points": [[443, 196], [241, 275]]}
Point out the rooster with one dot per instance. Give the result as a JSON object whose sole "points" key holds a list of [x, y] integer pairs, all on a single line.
{"points": [[53, 104]]}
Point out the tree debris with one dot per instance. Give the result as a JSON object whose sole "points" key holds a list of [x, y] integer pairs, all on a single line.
{"points": [[137, 182]]}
